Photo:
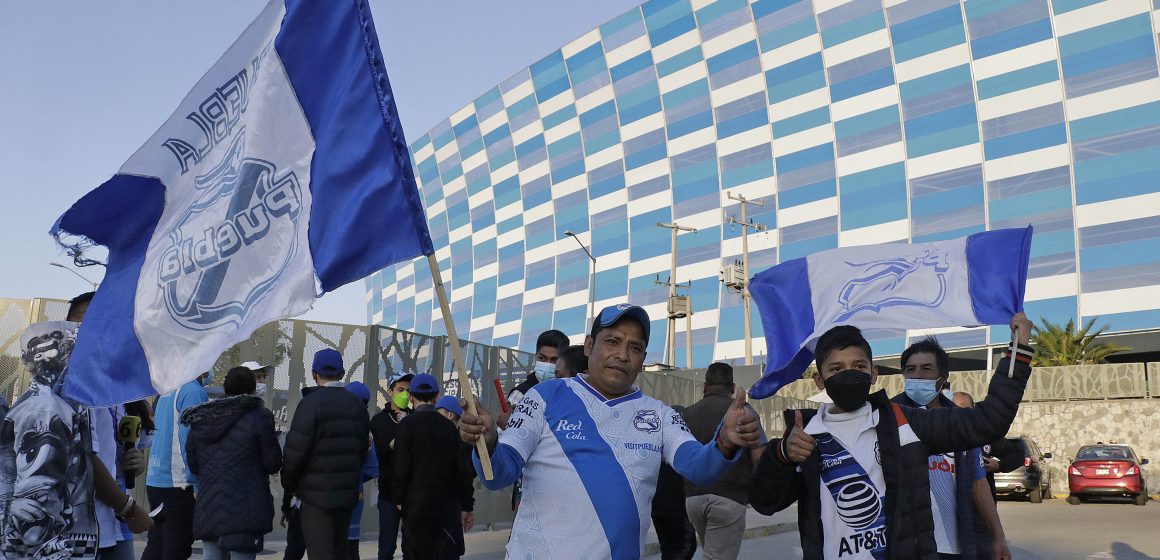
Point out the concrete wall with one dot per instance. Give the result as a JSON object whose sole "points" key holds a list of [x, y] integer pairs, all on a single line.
{"points": [[1062, 427]]}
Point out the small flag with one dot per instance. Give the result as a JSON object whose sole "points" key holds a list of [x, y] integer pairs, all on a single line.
{"points": [[969, 281], [282, 175]]}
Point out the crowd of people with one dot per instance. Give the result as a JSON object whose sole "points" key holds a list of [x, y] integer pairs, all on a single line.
{"points": [[594, 462]]}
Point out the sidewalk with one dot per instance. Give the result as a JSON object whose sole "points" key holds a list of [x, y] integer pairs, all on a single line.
{"points": [[489, 545]]}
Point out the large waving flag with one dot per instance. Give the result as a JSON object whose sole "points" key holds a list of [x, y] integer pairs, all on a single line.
{"points": [[970, 281], [283, 174]]}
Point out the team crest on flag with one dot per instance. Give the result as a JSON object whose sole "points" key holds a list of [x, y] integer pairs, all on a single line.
{"points": [[283, 174]]}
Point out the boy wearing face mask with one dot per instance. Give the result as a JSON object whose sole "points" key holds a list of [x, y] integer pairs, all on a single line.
{"points": [[966, 523], [384, 426], [549, 346], [261, 373], [858, 468]]}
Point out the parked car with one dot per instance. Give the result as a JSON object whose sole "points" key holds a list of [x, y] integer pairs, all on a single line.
{"points": [[1107, 471], [1031, 479]]}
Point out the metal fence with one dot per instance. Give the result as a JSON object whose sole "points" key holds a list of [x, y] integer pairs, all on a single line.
{"points": [[1046, 384]]}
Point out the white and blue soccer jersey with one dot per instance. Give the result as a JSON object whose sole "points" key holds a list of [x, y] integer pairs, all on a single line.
{"points": [[590, 468]]}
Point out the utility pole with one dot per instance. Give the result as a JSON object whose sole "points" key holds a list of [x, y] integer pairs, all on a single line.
{"points": [[679, 306], [741, 283]]}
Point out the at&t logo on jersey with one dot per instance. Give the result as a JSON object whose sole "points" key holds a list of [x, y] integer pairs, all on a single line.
{"points": [[243, 224]]}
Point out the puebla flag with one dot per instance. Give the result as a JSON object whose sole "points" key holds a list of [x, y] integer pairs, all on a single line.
{"points": [[283, 174], [969, 281]]}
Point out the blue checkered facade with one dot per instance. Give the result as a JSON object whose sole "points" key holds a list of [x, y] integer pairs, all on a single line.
{"points": [[856, 122]]}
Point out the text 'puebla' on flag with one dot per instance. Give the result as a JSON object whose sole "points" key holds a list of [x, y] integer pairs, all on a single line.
{"points": [[282, 174]]}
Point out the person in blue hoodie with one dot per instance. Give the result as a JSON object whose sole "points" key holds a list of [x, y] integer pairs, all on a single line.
{"points": [[168, 480]]}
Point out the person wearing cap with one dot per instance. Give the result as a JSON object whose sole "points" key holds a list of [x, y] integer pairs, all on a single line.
{"points": [[370, 471], [432, 488], [233, 450], [383, 428], [590, 449], [448, 406], [261, 373], [323, 458], [717, 510]]}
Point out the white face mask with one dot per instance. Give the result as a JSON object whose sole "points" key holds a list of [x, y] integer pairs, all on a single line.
{"points": [[260, 390], [545, 371]]}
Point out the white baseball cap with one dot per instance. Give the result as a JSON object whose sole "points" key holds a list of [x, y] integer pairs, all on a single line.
{"points": [[255, 366]]}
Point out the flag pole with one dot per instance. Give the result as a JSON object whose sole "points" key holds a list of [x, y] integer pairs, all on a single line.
{"points": [[460, 366]]}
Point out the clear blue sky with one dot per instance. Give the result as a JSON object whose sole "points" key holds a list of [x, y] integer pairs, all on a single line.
{"points": [[86, 83]]}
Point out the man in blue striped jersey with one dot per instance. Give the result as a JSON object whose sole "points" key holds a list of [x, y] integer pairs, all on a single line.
{"points": [[590, 449]]}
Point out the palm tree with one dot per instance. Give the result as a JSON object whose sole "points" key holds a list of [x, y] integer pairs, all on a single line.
{"points": [[1063, 345]]}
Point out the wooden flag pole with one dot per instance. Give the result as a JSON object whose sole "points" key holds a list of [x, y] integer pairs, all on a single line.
{"points": [[460, 366]]}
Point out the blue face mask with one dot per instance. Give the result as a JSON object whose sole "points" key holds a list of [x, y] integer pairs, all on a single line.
{"points": [[922, 391], [545, 371]]}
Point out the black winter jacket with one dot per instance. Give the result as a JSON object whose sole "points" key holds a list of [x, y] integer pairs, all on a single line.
{"points": [[431, 466], [232, 448], [777, 484], [325, 449], [384, 425], [974, 538]]}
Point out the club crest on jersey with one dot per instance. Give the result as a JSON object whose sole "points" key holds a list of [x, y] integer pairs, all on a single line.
{"points": [[647, 421], [230, 245]]}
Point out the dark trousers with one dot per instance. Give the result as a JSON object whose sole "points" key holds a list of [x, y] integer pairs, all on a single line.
{"points": [[352, 549], [389, 531], [423, 537], [295, 542], [325, 531], [171, 537], [676, 536]]}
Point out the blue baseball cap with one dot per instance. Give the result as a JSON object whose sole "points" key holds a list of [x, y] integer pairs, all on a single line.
{"points": [[613, 313], [399, 377], [450, 404], [360, 390], [328, 363], [424, 383]]}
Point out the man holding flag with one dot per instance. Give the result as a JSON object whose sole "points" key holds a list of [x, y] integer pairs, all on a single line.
{"points": [[590, 449], [858, 468]]}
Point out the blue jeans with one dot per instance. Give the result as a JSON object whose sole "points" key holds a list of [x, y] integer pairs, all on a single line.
{"points": [[211, 551], [123, 550], [388, 529]]}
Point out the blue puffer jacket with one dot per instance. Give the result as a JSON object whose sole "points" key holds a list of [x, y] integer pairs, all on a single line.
{"points": [[233, 450]]}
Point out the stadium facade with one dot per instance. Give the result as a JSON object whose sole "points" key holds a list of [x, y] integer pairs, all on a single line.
{"points": [[855, 122]]}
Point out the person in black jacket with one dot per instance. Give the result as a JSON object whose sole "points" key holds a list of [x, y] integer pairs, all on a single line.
{"points": [[675, 533], [429, 480], [966, 522], [233, 450], [383, 428], [858, 468], [323, 458]]}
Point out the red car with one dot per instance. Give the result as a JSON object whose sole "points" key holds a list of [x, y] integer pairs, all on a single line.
{"points": [[1107, 470]]}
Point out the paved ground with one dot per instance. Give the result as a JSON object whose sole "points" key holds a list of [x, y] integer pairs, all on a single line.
{"points": [[1048, 531], [1052, 530]]}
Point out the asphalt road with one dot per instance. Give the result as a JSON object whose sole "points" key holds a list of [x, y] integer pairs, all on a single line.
{"points": [[1052, 530]]}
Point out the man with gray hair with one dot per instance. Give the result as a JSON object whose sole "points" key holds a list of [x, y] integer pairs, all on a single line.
{"points": [[718, 510]]}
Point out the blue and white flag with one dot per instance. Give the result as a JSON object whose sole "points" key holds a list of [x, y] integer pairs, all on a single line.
{"points": [[975, 280], [283, 174]]}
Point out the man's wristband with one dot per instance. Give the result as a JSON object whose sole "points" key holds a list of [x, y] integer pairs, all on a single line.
{"points": [[130, 503], [1020, 352]]}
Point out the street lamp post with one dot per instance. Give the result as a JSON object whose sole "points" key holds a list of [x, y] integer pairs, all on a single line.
{"points": [[591, 277], [77, 274]]}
